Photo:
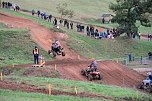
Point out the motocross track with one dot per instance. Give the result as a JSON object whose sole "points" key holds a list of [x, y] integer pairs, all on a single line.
{"points": [[113, 73]]}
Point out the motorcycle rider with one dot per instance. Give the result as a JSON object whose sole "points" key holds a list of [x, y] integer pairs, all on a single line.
{"points": [[148, 79], [94, 65], [56, 46]]}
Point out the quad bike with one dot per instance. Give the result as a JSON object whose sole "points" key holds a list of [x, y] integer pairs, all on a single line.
{"points": [[91, 75], [146, 85], [56, 51]]}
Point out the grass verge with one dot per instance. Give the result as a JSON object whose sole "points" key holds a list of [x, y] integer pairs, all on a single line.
{"points": [[16, 47], [8, 95]]}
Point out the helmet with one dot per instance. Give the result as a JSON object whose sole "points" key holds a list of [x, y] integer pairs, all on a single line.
{"points": [[56, 40], [93, 59], [149, 73]]}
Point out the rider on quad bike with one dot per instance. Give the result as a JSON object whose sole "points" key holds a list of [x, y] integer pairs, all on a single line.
{"points": [[56, 46], [91, 72], [93, 66], [147, 83], [56, 49], [148, 80]]}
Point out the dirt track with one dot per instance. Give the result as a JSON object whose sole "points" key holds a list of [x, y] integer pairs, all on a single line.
{"points": [[70, 67], [40, 34]]}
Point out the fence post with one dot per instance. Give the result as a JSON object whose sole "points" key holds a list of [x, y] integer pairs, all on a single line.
{"points": [[78, 57], [141, 59], [55, 67], [1, 76], [13, 65], [75, 88], [126, 62], [49, 88]]}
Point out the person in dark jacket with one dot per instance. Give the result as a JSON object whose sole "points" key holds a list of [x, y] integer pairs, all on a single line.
{"points": [[36, 55], [71, 25], [55, 22], [49, 18], [94, 65], [33, 12]]}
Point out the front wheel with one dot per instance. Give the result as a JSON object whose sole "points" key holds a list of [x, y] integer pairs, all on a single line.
{"points": [[54, 54], [49, 51], [149, 88], [82, 72], [99, 77], [63, 53], [140, 86], [90, 78]]}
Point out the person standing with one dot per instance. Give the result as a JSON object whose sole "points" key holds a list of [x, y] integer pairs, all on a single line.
{"points": [[38, 13], [55, 22], [33, 12], [49, 18], [71, 25], [36, 55]]}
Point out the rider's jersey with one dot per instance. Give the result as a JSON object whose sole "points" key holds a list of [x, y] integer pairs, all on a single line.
{"points": [[94, 64]]}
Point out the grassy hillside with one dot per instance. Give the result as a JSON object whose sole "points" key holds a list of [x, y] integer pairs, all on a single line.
{"points": [[68, 86], [16, 46], [100, 49], [92, 9], [87, 11], [107, 48]]}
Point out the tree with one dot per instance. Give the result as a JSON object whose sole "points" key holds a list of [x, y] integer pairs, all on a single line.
{"points": [[64, 11], [128, 12]]}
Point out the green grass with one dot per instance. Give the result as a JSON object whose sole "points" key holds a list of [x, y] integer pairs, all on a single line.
{"points": [[8, 95], [90, 10], [68, 86], [90, 13], [108, 49], [100, 49], [16, 47], [3, 26]]}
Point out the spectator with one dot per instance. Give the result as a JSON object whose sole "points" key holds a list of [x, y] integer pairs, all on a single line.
{"points": [[49, 18], [17, 8], [3, 4], [33, 12], [36, 55], [38, 13], [44, 16], [65, 22], [71, 25], [41, 15], [103, 20], [67, 25], [150, 37], [139, 34], [88, 32], [78, 27], [61, 21], [14, 7], [55, 22], [9, 5]]}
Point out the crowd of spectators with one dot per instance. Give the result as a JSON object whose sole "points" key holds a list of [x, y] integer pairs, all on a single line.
{"points": [[91, 31], [9, 5]]}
